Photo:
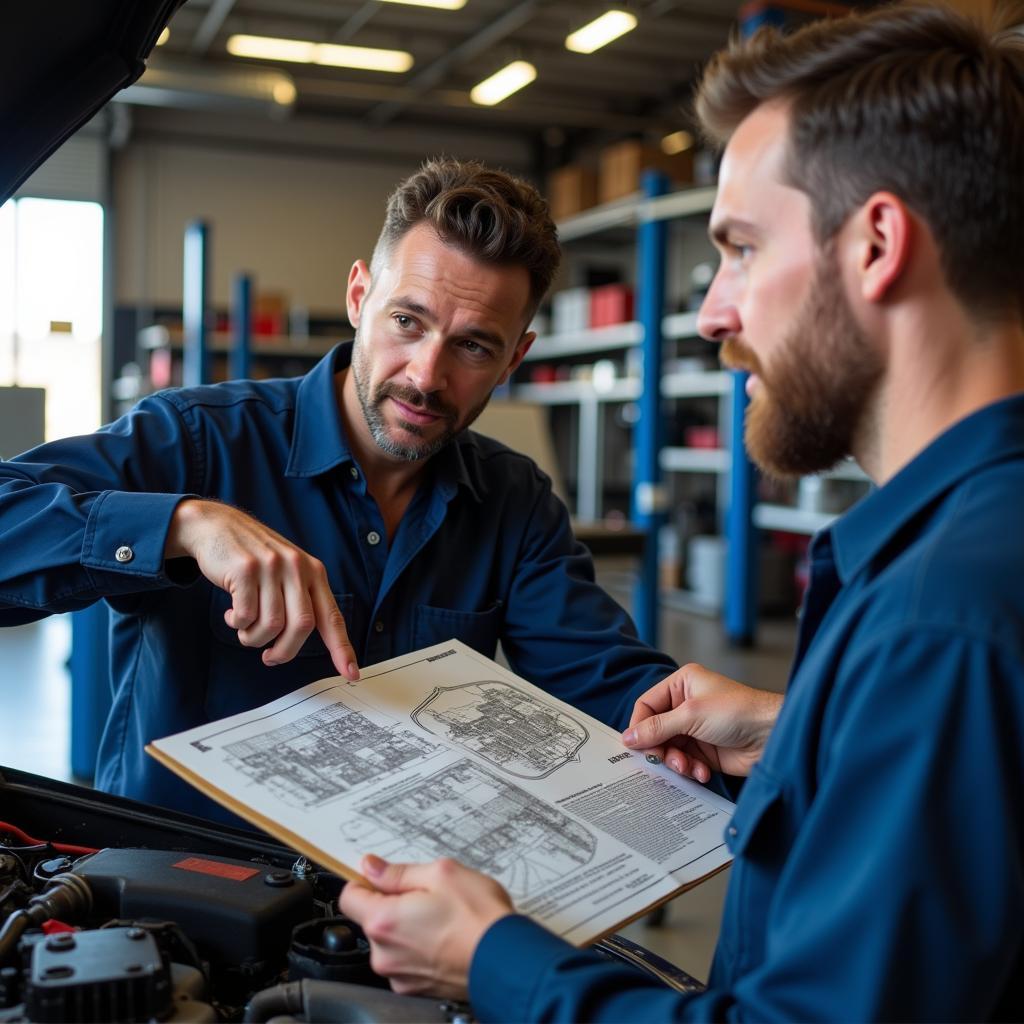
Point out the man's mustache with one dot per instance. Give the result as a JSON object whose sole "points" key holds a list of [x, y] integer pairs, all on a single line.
{"points": [[416, 400], [734, 355]]}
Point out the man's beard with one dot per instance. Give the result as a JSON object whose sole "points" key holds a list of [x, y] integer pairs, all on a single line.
{"points": [[812, 403], [374, 416]]}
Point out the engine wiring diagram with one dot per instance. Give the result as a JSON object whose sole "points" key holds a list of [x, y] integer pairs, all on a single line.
{"points": [[471, 813], [325, 754], [507, 727]]}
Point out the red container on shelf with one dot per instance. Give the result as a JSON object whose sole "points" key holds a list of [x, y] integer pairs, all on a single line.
{"points": [[701, 437], [611, 304]]}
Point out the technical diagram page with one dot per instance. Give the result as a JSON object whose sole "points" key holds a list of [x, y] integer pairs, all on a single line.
{"points": [[444, 753]]}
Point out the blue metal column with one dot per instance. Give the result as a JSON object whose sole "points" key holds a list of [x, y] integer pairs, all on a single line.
{"points": [[741, 536], [241, 327], [195, 303], [89, 666], [741, 565], [649, 499]]}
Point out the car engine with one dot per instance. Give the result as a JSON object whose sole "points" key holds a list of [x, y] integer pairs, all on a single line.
{"points": [[126, 912], [143, 934]]}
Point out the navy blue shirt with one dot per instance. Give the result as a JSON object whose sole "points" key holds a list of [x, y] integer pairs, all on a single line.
{"points": [[879, 843], [484, 553]]}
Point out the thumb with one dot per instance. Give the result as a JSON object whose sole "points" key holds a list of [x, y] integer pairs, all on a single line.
{"points": [[388, 877], [659, 729]]}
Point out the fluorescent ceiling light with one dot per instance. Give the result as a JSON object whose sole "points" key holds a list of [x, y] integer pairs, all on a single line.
{"points": [[268, 48], [364, 57], [163, 37], [677, 142], [444, 5], [600, 31], [300, 51], [503, 83]]}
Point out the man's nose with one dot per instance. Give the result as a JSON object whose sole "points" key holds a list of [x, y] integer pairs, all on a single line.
{"points": [[426, 369], [718, 318]]}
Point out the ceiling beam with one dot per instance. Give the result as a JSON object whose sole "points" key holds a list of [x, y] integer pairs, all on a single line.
{"points": [[434, 74], [210, 26], [355, 21]]}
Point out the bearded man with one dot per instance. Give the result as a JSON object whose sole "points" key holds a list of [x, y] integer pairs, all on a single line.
{"points": [[869, 219]]}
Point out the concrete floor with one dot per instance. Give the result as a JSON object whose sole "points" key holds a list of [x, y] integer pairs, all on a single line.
{"points": [[35, 700], [35, 697]]}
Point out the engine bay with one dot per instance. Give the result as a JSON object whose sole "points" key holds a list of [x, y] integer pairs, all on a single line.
{"points": [[111, 910], [185, 933]]}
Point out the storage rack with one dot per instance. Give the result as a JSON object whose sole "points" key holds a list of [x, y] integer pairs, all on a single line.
{"points": [[645, 214], [648, 215]]}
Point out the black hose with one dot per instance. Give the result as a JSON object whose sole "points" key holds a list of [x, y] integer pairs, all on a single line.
{"points": [[67, 897], [274, 1002], [14, 927]]}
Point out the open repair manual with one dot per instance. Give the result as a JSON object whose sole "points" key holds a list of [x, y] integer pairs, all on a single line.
{"points": [[444, 753]]}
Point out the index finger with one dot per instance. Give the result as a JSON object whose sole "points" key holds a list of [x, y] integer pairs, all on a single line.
{"points": [[663, 696], [331, 624]]}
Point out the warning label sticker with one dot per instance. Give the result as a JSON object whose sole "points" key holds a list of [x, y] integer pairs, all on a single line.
{"points": [[236, 872]]}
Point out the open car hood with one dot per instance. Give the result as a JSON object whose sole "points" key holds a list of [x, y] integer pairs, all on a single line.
{"points": [[60, 61]]}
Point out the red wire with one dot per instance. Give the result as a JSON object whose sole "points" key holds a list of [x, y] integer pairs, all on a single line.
{"points": [[25, 838]]}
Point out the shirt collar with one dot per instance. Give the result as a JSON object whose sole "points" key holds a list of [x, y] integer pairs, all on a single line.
{"points": [[319, 443], [458, 465], [990, 435]]}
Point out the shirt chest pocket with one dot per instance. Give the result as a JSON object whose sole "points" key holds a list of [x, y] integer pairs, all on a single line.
{"points": [[238, 679], [479, 630], [757, 839]]}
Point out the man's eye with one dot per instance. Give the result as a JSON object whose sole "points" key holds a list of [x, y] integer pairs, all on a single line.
{"points": [[475, 349], [743, 252], [403, 321]]}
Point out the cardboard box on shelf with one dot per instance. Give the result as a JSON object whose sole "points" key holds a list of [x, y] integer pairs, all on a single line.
{"points": [[269, 313], [622, 164], [571, 189], [611, 304]]}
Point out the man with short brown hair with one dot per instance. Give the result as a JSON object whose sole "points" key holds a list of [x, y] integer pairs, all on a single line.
{"points": [[254, 536], [869, 215]]}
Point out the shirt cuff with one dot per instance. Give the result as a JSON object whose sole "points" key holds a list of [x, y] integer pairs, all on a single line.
{"points": [[126, 534], [509, 963]]}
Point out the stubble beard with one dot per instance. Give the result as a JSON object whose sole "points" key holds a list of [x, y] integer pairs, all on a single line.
{"points": [[813, 402], [372, 403]]}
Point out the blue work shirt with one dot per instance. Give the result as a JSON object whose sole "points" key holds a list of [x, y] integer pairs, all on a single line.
{"points": [[484, 553], [879, 843]]}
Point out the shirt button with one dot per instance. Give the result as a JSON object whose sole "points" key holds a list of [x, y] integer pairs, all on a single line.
{"points": [[124, 553], [373, 537], [733, 831], [379, 626], [354, 473]]}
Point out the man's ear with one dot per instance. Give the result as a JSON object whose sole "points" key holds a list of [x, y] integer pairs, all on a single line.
{"points": [[883, 234], [522, 347], [357, 290]]}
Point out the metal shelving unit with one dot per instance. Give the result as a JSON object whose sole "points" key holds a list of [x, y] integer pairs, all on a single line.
{"points": [[641, 219], [158, 336]]}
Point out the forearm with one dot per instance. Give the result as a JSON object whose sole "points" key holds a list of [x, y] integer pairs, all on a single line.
{"points": [[61, 550], [66, 514], [522, 972]]}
